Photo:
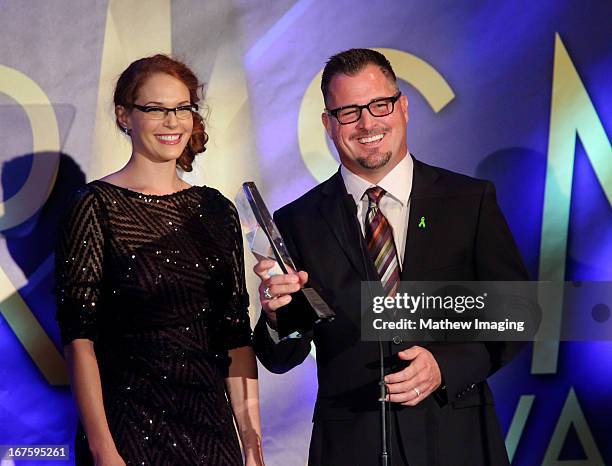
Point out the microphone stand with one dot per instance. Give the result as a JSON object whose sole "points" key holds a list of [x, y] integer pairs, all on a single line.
{"points": [[385, 455]]}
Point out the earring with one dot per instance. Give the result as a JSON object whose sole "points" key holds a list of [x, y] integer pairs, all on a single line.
{"points": [[126, 130]]}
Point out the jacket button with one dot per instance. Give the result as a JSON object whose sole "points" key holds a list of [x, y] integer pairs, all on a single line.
{"points": [[397, 339]]}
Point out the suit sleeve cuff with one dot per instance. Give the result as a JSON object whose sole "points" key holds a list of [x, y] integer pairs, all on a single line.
{"points": [[274, 336]]}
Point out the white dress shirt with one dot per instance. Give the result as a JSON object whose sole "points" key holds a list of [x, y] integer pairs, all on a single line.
{"points": [[394, 205]]}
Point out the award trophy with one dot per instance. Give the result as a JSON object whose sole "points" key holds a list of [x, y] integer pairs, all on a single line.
{"points": [[266, 242]]}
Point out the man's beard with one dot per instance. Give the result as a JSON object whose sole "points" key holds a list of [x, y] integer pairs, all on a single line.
{"points": [[374, 161]]}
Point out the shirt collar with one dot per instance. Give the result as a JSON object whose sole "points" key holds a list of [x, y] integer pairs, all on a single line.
{"points": [[397, 183]]}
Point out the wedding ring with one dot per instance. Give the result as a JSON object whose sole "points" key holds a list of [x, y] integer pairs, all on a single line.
{"points": [[417, 391], [267, 294]]}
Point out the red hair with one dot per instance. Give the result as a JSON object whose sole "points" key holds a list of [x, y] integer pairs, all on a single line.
{"points": [[134, 76]]}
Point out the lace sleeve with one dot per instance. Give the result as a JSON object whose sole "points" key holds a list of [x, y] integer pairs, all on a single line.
{"points": [[236, 324], [79, 268]]}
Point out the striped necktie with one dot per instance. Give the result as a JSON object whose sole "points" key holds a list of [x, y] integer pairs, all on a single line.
{"points": [[379, 236]]}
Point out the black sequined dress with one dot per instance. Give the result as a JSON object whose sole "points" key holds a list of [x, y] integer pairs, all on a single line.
{"points": [[157, 283]]}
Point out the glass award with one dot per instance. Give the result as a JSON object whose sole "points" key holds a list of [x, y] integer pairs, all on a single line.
{"points": [[265, 242]]}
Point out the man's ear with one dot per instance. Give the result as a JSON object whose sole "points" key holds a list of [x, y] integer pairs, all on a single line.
{"points": [[403, 100], [326, 120]]}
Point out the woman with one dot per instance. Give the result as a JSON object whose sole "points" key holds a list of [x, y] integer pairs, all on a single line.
{"points": [[152, 302]]}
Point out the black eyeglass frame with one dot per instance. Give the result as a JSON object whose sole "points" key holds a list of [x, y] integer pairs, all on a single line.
{"points": [[154, 108], [392, 99]]}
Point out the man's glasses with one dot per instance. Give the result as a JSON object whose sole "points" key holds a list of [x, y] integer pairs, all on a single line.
{"points": [[377, 108], [151, 112]]}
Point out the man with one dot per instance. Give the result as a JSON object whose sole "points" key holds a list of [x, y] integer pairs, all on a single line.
{"points": [[442, 410]]}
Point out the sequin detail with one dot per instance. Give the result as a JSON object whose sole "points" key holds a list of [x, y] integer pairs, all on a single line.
{"points": [[157, 282]]}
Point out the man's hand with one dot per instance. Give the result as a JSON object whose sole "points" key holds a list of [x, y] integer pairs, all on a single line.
{"points": [[275, 291], [417, 381]]}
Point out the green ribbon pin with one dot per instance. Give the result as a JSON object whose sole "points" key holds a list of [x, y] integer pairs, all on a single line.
{"points": [[422, 223]]}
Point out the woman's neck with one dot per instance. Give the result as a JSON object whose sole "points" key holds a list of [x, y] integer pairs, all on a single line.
{"points": [[140, 174]]}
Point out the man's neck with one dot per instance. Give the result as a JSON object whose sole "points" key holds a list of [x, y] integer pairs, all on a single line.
{"points": [[374, 176]]}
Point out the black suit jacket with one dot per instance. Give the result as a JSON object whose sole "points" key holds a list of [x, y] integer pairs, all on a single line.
{"points": [[466, 238]]}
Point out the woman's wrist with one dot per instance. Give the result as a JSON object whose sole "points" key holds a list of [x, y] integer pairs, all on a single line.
{"points": [[253, 452], [251, 441], [102, 444]]}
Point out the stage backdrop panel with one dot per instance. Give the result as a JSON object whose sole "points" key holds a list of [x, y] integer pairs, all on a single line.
{"points": [[517, 92]]}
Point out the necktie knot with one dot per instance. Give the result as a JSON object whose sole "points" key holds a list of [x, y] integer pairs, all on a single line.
{"points": [[375, 194]]}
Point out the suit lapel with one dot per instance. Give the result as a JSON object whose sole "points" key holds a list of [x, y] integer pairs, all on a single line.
{"points": [[339, 211], [425, 208]]}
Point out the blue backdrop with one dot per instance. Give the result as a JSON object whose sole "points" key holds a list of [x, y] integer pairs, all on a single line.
{"points": [[516, 92]]}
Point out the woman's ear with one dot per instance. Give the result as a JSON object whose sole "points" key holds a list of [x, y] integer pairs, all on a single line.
{"points": [[123, 118]]}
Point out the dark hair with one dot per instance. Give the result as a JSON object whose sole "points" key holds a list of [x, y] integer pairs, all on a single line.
{"points": [[351, 62], [130, 81]]}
